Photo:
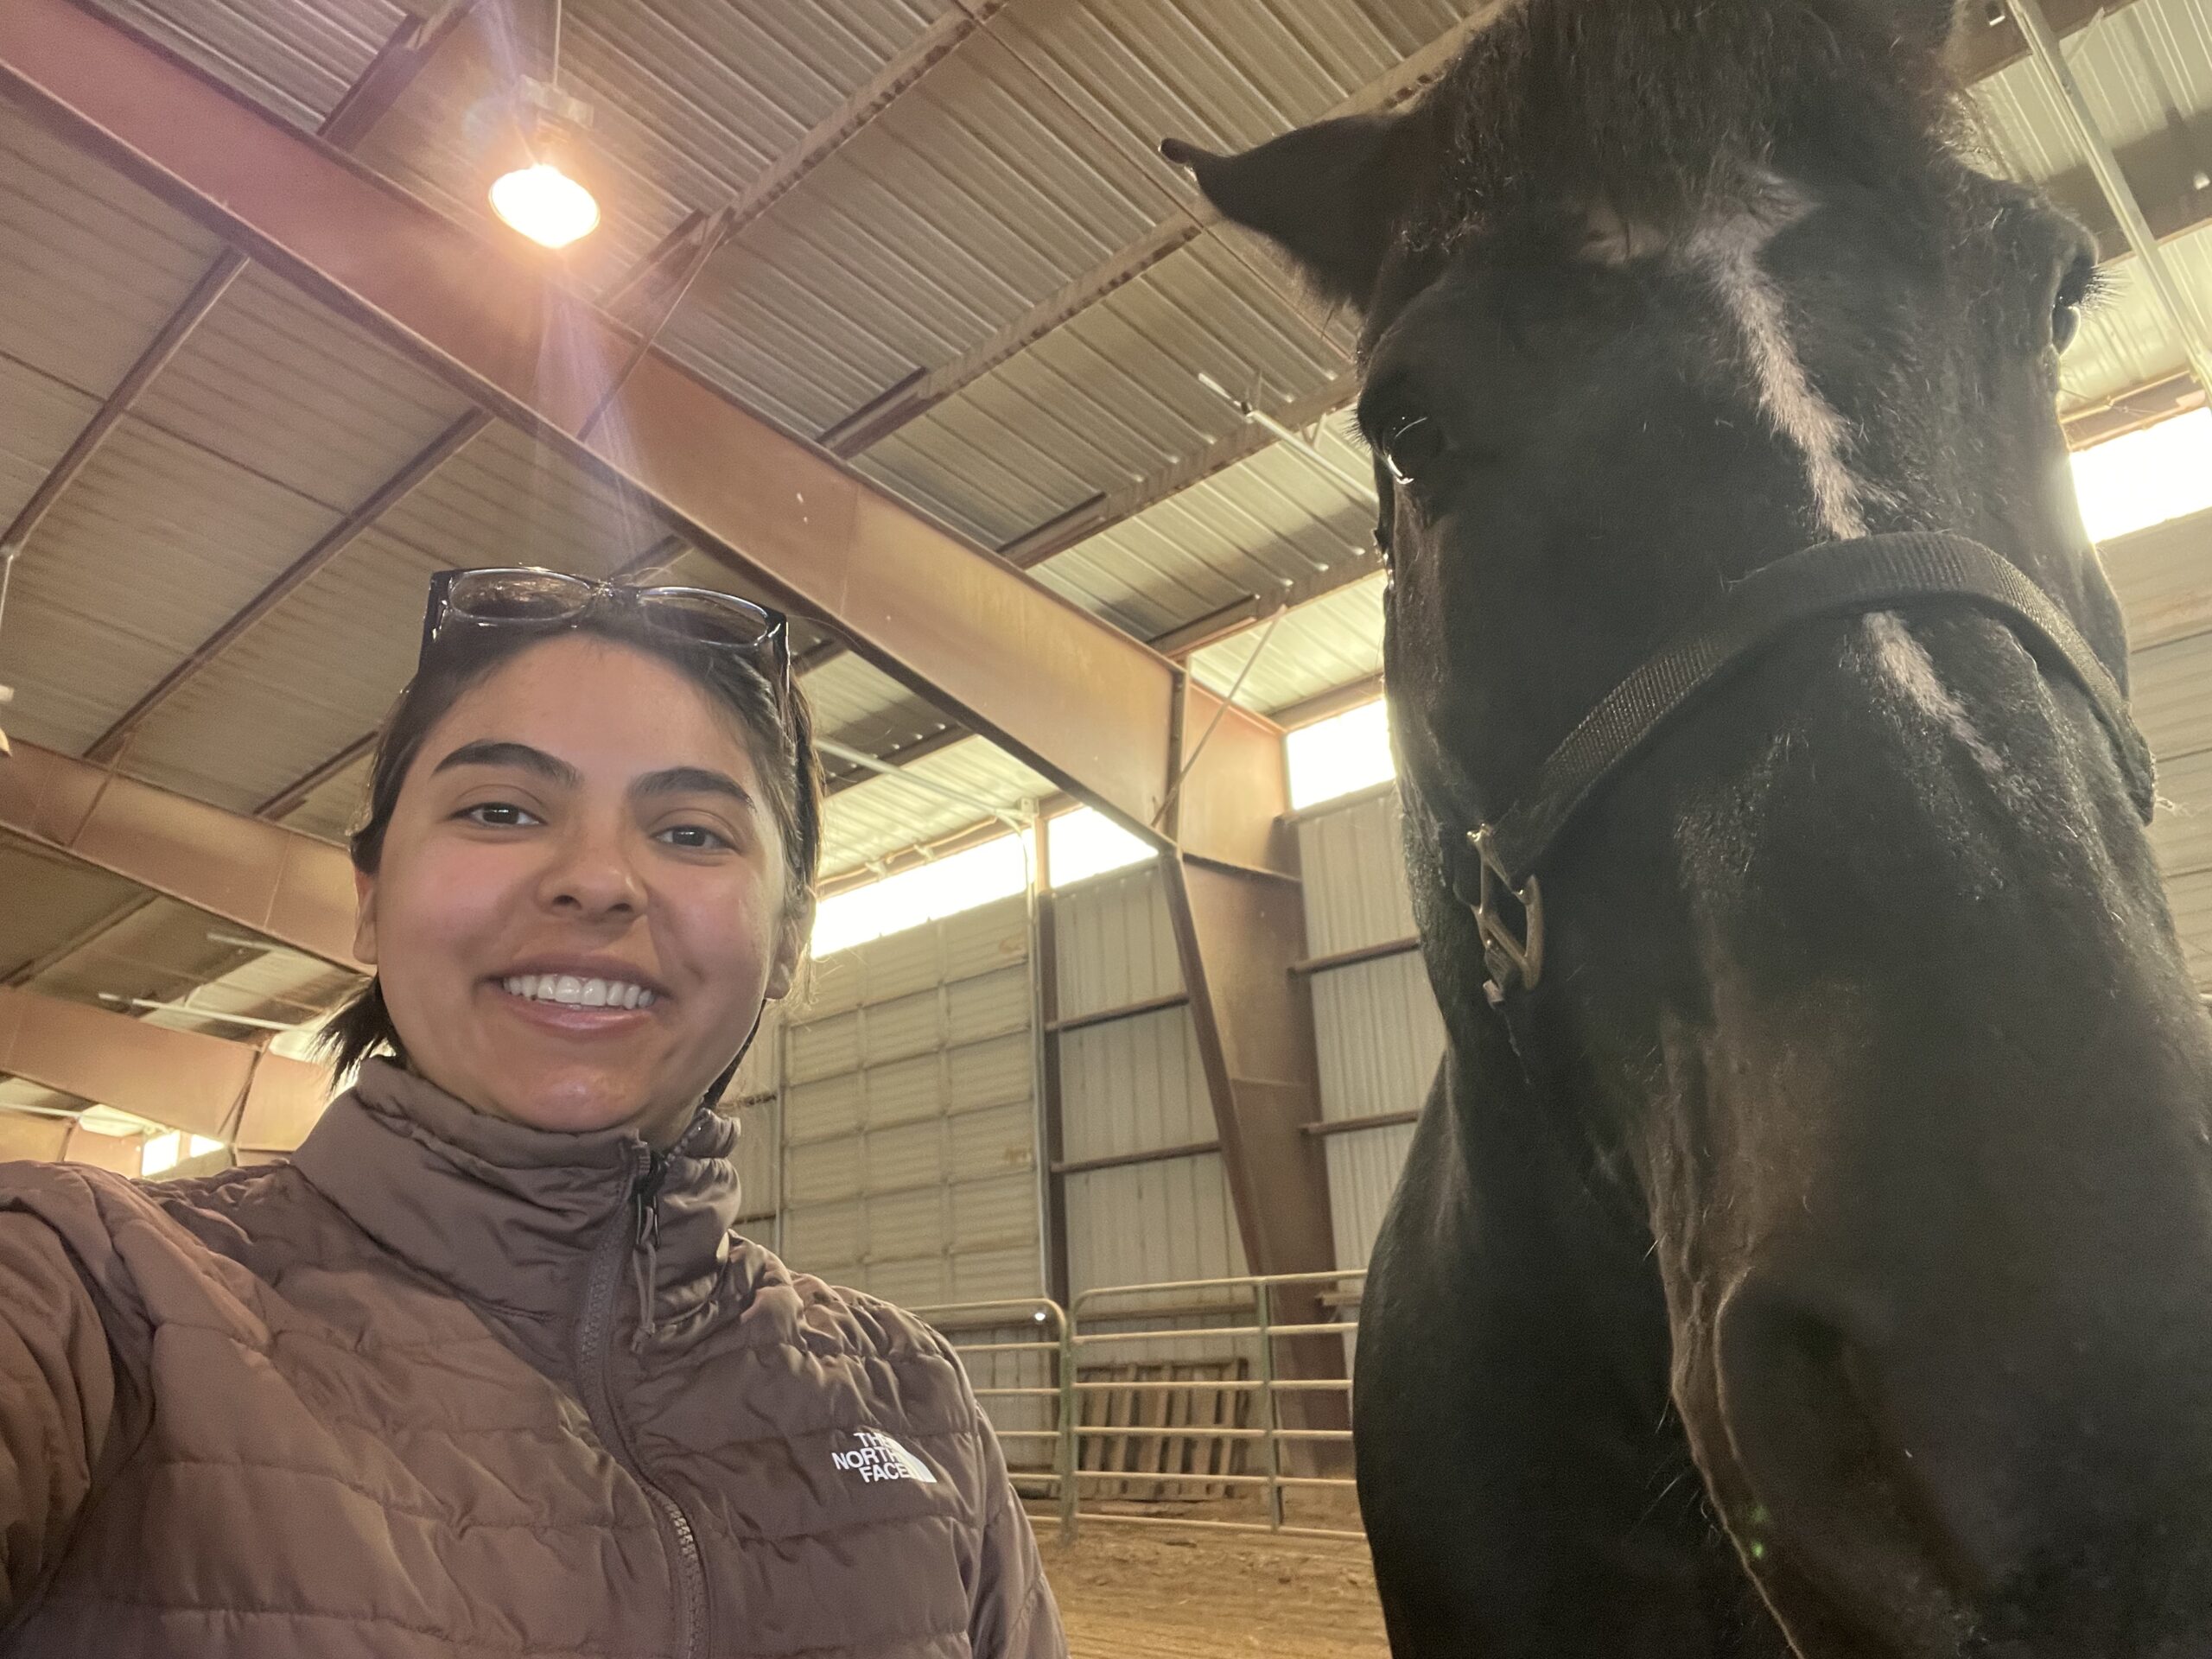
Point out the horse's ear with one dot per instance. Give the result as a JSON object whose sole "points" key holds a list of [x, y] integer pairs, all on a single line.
{"points": [[1331, 195]]}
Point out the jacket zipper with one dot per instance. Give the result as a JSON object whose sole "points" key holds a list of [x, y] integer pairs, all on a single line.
{"points": [[593, 1347]]}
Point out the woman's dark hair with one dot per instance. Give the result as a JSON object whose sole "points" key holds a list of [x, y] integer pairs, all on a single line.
{"points": [[778, 730]]}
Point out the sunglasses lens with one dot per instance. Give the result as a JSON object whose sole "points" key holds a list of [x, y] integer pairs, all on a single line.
{"points": [[712, 619], [517, 596]]}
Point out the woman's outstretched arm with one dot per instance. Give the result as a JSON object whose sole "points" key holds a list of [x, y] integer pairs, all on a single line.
{"points": [[57, 1401]]}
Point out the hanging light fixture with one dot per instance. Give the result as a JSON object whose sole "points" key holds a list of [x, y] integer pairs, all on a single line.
{"points": [[543, 194]]}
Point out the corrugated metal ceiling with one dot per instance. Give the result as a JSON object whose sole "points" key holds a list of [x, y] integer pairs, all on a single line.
{"points": [[1021, 162]]}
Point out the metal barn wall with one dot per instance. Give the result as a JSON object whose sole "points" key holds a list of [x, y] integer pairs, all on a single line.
{"points": [[753, 1098], [2161, 577], [1375, 1022], [1134, 1086], [906, 1104]]}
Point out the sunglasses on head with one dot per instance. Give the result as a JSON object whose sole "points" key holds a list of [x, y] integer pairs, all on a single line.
{"points": [[551, 599]]}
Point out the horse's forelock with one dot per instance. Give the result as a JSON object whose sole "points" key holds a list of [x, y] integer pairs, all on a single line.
{"points": [[1664, 110]]}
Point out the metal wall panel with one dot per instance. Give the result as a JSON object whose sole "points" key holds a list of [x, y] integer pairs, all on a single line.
{"points": [[1150, 1223], [1363, 1169], [1355, 872], [2171, 693], [1376, 1023], [1117, 945], [756, 1162], [1133, 1086], [1380, 1035], [908, 1115]]}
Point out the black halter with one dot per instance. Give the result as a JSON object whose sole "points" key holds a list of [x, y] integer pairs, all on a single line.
{"points": [[1500, 860]]}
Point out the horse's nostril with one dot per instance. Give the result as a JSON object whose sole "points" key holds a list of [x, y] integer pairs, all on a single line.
{"points": [[1826, 1494]]}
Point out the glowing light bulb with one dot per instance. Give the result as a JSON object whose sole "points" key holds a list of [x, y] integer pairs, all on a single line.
{"points": [[545, 204]]}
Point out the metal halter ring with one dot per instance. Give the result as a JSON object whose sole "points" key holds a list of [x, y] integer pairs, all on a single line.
{"points": [[1512, 960]]}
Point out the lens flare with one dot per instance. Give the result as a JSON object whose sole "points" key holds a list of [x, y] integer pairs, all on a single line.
{"points": [[545, 204]]}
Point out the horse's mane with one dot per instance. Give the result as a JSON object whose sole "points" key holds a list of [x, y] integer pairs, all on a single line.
{"points": [[1659, 110]]}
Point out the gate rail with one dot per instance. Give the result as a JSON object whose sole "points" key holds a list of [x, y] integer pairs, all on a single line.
{"points": [[1061, 1334]]}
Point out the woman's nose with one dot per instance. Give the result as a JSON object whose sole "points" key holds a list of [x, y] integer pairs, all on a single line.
{"points": [[593, 873]]}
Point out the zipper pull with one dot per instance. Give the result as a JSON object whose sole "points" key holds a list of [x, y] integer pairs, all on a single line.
{"points": [[646, 1249]]}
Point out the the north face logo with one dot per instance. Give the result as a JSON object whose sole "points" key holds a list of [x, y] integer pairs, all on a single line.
{"points": [[878, 1456]]}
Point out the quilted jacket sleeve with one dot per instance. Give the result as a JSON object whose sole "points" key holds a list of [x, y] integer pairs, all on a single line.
{"points": [[57, 1400], [1014, 1616]]}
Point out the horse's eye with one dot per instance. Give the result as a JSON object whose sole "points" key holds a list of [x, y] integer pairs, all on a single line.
{"points": [[2065, 324], [1412, 444], [2074, 292]]}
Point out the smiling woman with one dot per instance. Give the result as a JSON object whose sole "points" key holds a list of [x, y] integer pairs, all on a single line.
{"points": [[487, 1366]]}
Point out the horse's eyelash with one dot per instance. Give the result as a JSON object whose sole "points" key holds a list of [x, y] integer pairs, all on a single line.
{"points": [[2087, 286], [1353, 433]]}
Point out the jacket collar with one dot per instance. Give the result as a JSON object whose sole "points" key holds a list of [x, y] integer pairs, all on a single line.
{"points": [[508, 1215]]}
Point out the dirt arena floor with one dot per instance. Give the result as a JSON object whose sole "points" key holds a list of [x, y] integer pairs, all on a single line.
{"points": [[1131, 1592]]}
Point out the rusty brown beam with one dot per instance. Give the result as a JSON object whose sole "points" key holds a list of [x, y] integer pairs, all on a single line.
{"points": [[276, 882], [1068, 694], [687, 250], [181, 1079], [1062, 689], [2134, 409], [402, 57]]}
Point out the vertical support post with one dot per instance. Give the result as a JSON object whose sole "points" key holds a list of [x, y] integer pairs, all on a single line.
{"points": [[1066, 1452], [1270, 1419], [1240, 925], [1051, 1135]]}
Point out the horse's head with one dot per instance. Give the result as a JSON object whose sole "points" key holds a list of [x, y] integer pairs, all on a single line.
{"points": [[1861, 984]]}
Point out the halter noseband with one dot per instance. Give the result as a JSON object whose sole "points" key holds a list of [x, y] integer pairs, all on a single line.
{"points": [[1499, 861]]}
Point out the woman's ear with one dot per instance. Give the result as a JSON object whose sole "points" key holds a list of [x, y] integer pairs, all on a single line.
{"points": [[365, 917], [1332, 195], [797, 926]]}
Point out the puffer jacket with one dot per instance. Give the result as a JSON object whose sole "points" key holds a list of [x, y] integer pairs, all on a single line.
{"points": [[449, 1385]]}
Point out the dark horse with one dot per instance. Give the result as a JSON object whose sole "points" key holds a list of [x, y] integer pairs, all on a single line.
{"points": [[1819, 1254]]}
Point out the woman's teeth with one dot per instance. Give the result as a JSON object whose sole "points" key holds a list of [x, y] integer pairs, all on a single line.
{"points": [[568, 989]]}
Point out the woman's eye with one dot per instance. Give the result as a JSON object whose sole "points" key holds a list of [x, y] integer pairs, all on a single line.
{"points": [[1412, 444], [499, 815], [693, 837]]}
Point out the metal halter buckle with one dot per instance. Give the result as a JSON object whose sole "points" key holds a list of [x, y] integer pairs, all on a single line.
{"points": [[1512, 960]]}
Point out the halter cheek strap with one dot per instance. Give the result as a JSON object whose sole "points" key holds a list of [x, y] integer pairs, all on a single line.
{"points": [[1493, 868]]}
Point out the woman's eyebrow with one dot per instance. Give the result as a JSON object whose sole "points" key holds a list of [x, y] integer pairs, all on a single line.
{"points": [[500, 752], [692, 780]]}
